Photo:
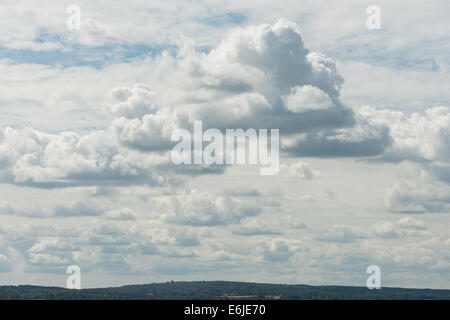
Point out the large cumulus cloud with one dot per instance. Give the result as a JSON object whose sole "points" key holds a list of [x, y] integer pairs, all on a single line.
{"points": [[257, 77], [33, 157], [424, 140]]}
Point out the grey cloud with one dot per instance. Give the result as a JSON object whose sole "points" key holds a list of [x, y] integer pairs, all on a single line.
{"points": [[244, 192], [120, 214], [148, 249], [6, 209], [275, 53], [323, 145], [300, 170], [273, 60], [418, 195], [440, 170], [201, 209], [255, 229], [342, 234], [417, 137], [299, 225], [68, 159], [187, 240], [75, 209], [79, 209], [404, 227], [277, 251], [5, 263]]}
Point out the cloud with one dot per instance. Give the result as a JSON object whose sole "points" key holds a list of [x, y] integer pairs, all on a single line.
{"points": [[74, 209], [418, 194], [299, 170], [256, 77], [136, 120], [416, 137], [6, 209], [298, 225], [331, 193], [79, 209], [184, 239], [120, 214], [369, 82], [306, 98], [225, 89], [133, 103], [419, 138], [44, 245], [342, 234], [143, 121], [369, 137], [382, 135], [404, 227], [278, 250], [40, 159], [255, 228], [5, 263], [97, 245], [39, 245], [244, 191], [411, 223], [197, 208]]}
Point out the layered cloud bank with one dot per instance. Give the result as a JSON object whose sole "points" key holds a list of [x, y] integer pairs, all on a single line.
{"points": [[256, 77]]}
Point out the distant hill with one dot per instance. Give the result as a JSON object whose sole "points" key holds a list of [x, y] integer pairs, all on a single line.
{"points": [[219, 290]]}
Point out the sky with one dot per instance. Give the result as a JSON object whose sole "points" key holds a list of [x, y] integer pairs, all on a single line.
{"points": [[86, 117]]}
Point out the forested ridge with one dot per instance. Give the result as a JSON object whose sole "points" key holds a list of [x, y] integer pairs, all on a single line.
{"points": [[222, 290]]}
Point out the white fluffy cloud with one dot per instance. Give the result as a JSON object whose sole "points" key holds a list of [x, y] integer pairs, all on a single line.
{"points": [[42, 159], [255, 228], [306, 98], [74, 209], [201, 209], [5, 263], [257, 77], [422, 139], [241, 83], [278, 250], [404, 227], [419, 194], [416, 137], [299, 170], [225, 88]]}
